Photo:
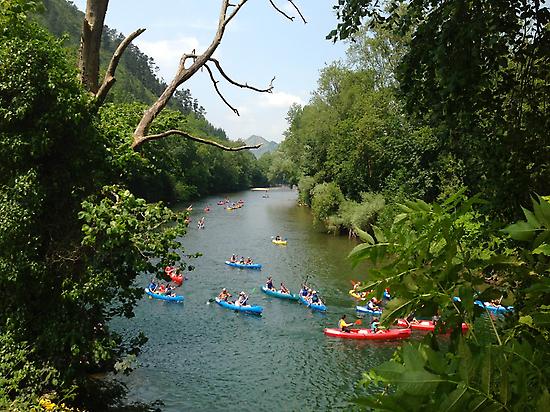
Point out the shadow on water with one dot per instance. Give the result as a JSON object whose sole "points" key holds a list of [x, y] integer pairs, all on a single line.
{"points": [[201, 356]]}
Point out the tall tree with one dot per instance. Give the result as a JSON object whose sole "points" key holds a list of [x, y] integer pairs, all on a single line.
{"points": [[478, 73], [89, 56]]}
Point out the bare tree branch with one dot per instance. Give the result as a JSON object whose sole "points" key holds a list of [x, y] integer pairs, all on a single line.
{"points": [[269, 89], [291, 18], [298, 10], [141, 140], [215, 83], [109, 79], [184, 73]]}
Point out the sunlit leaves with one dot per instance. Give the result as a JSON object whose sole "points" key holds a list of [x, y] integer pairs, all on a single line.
{"points": [[433, 253]]}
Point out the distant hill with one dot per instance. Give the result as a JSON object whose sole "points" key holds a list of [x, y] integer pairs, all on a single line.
{"points": [[267, 146], [136, 75]]}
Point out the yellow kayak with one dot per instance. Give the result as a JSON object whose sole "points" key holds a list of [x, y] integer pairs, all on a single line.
{"points": [[360, 296], [279, 242]]}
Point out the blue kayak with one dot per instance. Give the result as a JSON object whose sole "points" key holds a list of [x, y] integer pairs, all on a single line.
{"points": [[313, 306], [257, 310], [278, 294], [365, 309], [242, 265], [493, 308], [176, 298]]}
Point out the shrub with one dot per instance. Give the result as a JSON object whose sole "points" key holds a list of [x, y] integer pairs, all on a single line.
{"points": [[326, 200], [305, 186]]}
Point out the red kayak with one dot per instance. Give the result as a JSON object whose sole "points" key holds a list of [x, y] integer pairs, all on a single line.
{"points": [[387, 334], [424, 325]]}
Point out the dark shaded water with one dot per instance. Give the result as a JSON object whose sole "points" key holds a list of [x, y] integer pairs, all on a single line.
{"points": [[202, 357]]}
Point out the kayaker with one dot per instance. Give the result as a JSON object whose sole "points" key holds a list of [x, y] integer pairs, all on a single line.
{"points": [[277, 237], [284, 289], [374, 325], [152, 285], [343, 325], [372, 305], [303, 291], [315, 298], [269, 283], [242, 300], [224, 295]]}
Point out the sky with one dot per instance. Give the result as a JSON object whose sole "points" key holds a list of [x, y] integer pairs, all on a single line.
{"points": [[259, 44]]}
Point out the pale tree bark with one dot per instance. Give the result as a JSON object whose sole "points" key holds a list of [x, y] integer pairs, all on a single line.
{"points": [[90, 43], [89, 68]]}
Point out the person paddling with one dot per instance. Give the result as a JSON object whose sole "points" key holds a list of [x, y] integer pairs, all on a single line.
{"points": [[269, 283], [374, 326], [284, 289], [343, 325], [224, 295], [242, 300]]}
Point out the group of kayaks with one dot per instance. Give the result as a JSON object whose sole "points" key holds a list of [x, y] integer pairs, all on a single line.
{"points": [[257, 310], [404, 327]]}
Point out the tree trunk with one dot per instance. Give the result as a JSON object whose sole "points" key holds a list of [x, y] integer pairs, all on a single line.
{"points": [[90, 43]]}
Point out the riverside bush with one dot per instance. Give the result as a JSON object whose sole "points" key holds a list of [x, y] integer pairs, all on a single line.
{"points": [[326, 200], [305, 186]]}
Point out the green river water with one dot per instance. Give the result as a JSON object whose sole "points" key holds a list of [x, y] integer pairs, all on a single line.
{"points": [[201, 357]]}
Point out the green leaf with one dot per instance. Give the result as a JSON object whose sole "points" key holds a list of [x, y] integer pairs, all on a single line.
{"points": [[520, 231], [543, 249], [541, 210], [400, 217], [452, 402], [364, 236], [380, 237], [417, 382], [531, 219]]}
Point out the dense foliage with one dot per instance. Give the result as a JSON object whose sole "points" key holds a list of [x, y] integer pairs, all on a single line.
{"points": [[467, 108], [355, 133], [175, 169], [435, 252], [477, 73]]}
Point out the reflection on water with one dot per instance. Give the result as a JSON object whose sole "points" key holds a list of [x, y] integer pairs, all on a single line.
{"points": [[203, 357]]}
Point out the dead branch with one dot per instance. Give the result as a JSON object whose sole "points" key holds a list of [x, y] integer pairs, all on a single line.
{"points": [[269, 89], [291, 18], [184, 73], [215, 83], [298, 11], [141, 140], [109, 79]]}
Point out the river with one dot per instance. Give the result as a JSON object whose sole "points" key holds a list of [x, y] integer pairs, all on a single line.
{"points": [[201, 357]]}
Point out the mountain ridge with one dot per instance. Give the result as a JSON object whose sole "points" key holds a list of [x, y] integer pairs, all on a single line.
{"points": [[267, 146]]}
